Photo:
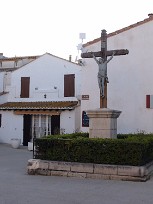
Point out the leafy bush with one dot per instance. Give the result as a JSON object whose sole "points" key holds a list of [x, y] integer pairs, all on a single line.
{"points": [[132, 150], [69, 136]]}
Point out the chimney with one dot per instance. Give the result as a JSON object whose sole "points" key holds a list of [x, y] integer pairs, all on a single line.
{"points": [[150, 15], [70, 58]]}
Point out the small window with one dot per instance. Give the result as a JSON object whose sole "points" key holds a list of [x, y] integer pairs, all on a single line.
{"points": [[25, 87], [85, 119], [69, 85], [0, 120]]}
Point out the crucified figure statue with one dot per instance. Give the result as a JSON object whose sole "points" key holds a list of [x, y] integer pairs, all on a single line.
{"points": [[102, 73]]}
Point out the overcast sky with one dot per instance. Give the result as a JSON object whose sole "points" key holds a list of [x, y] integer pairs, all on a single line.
{"points": [[34, 27]]}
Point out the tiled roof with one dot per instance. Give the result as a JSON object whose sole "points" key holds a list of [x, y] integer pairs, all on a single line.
{"points": [[121, 30], [33, 57], [18, 58], [39, 105], [63, 59]]}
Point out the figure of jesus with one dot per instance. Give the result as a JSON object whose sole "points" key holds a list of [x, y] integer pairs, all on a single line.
{"points": [[102, 73]]}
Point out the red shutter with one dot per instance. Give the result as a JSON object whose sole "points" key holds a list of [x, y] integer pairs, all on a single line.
{"points": [[25, 85], [69, 85], [147, 101]]}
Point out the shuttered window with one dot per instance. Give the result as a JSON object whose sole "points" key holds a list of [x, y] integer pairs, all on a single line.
{"points": [[69, 85], [25, 85]]}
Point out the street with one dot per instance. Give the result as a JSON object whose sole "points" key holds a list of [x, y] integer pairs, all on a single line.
{"points": [[17, 187]]}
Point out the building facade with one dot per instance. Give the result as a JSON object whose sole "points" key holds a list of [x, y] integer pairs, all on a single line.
{"points": [[38, 97], [130, 86], [43, 95]]}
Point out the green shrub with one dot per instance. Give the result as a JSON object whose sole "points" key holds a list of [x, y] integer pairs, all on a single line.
{"points": [[132, 150], [69, 136]]}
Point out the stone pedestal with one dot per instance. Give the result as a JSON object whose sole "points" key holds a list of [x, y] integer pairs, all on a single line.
{"points": [[103, 123]]}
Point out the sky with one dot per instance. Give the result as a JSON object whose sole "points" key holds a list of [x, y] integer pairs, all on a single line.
{"points": [[34, 27]]}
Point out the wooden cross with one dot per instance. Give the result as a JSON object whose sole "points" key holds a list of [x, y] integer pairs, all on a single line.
{"points": [[104, 53]]}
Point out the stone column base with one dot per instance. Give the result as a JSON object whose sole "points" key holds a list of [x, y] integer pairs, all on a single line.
{"points": [[103, 123]]}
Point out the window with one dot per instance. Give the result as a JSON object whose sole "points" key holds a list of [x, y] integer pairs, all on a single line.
{"points": [[0, 120], [69, 85], [25, 85], [85, 119], [49, 125], [35, 126], [41, 125]]}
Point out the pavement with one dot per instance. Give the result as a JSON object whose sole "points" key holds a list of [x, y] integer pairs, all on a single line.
{"points": [[17, 187]]}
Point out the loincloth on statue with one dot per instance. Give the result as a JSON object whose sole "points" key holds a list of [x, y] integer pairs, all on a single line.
{"points": [[101, 76]]}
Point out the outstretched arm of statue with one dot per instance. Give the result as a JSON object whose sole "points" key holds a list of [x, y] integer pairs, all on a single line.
{"points": [[111, 57], [95, 58]]}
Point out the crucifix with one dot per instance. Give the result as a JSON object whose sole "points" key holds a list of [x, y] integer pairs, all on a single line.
{"points": [[102, 63]]}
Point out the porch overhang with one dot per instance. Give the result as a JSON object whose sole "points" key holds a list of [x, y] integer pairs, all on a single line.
{"points": [[39, 107]]}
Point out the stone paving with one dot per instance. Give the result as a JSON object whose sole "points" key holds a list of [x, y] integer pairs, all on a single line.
{"points": [[17, 187]]}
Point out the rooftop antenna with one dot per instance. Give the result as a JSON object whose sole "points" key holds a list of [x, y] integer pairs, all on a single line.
{"points": [[82, 36]]}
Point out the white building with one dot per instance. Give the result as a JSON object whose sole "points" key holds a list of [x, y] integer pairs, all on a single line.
{"points": [[41, 95], [130, 87], [38, 96]]}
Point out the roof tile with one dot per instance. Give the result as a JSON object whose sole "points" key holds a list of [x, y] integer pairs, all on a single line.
{"points": [[39, 105], [121, 30]]}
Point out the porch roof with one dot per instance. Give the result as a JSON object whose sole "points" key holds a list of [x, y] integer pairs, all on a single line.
{"points": [[39, 105]]}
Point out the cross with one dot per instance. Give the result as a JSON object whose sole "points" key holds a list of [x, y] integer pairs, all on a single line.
{"points": [[104, 53]]}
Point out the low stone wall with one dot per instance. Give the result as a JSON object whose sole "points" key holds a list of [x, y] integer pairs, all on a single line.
{"points": [[89, 170]]}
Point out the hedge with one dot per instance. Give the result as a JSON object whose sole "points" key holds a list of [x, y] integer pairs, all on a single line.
{"points": [[133, 150]]}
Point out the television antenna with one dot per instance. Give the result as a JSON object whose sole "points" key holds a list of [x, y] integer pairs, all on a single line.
{"points": [[82, 36]]}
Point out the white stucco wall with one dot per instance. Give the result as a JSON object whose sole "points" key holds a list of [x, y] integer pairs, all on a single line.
{"points": [[46, 77], [77, 119], [1, 81], [46, 73], [130, 78], [11, 127], [128, 92], [67, 121], [4, 98], [11, 63]]}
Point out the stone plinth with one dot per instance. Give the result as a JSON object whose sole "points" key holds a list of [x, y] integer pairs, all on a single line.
{"points": [[103, 123], [90, 170]]}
